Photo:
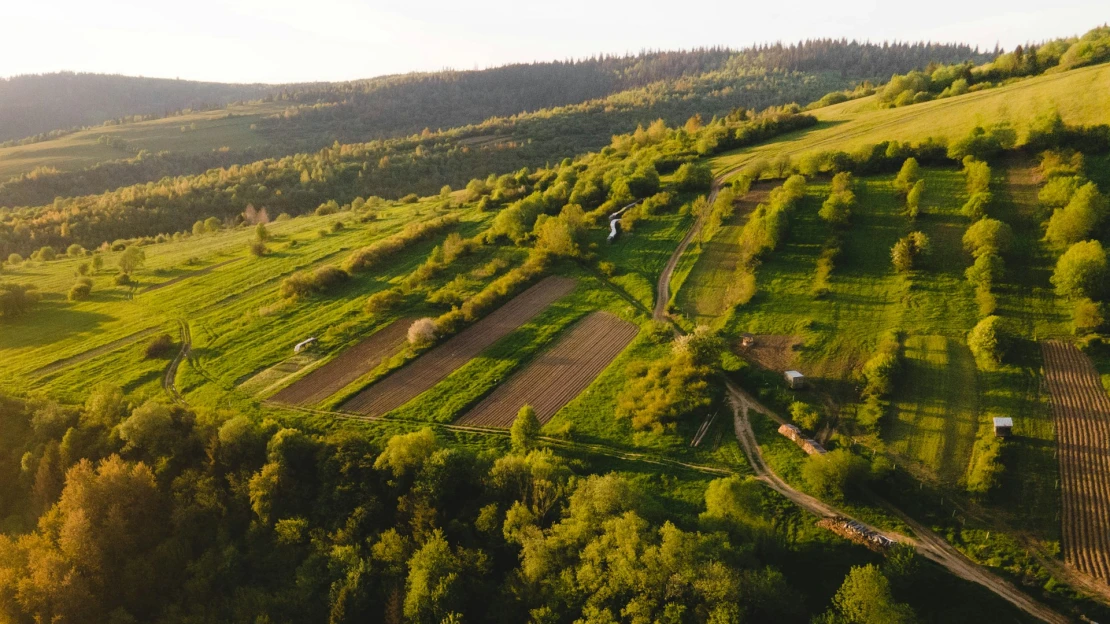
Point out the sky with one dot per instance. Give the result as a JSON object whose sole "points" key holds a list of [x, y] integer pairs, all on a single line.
{"points": [[277, 41]]}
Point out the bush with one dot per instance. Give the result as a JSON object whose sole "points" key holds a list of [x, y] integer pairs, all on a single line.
{"points": [[45, 254], [258, 248], [14, 259], [834, 474], [906, 251], [411, 198], [81, 290], [805, 416], [1087, 316], [422, 332], [1077, 220], [159, 346], [1082, 271], [366, 258], [837, 209], [75, 251], [986, 270], [913, 199], [656, 394], [384, 301], [988, 236], [977, 205], [908, 176], [988, 341], [306, 283], [328, 208], [696, 176], [122, 279], [986, 467], [16, 299]]}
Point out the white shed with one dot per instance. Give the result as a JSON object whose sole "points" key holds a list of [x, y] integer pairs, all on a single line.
{"points": [[1003, 427], [304, 344], [795, 380]]}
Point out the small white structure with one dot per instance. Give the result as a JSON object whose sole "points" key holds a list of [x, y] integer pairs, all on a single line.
{"points": [[1003, 427], [795, 380], [304, 344]]}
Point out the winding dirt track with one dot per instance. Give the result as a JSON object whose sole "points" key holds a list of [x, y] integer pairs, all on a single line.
{"points": [[663, 287], [928, 543], [558, 375], [429, 369], [1081, 410], [169, 380]]}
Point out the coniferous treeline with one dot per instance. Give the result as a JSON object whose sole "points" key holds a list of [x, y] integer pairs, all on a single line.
{"points": [[34, 104]]}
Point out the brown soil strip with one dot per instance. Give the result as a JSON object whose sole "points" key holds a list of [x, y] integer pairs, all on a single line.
{"points": [[95, 352], [1081, 409], [559, 375], [347, 367], [432, 367]]}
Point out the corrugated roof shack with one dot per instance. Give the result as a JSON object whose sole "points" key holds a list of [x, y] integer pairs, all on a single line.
{"points": [[795, 380], [1003, 427]]}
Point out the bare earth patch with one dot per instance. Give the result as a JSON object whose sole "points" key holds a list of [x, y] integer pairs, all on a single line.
{"points": [[429, 369], [773, 352], [1081, 409], [347, 367], [559, 375]]}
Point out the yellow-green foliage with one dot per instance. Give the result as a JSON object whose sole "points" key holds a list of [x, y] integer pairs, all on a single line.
{"points": [[659, 393]]}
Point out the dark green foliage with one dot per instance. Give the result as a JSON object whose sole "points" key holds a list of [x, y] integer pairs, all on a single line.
{"points": [[16, 299], [315, 282], [80, 290], [367, 258], [159, 346], [835, 474], [1082, 271], [989, 341]]}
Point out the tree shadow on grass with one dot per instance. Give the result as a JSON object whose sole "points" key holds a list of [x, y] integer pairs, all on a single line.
{"points": [[49, 321]]}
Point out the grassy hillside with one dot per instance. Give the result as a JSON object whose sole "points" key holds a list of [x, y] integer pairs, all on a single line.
{"points": [[1078, 95]]}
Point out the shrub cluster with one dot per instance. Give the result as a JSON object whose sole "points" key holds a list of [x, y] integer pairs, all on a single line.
{"points": [[368, 257], [879, 375], [308, 283], [908, 249], [763, 232], [837, 209]]}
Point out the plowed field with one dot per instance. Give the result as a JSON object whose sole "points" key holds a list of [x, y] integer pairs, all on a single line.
{"points": [[349, 366], [557, 376], [1081, 409], [432, 367]]}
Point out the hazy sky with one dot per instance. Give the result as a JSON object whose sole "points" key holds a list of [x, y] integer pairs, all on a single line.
{"points": [[304, 40]]}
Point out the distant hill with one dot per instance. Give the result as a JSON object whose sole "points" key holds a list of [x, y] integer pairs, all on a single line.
{"points": [[36, 104]]}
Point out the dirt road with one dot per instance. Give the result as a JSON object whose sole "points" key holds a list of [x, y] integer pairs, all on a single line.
{"points": [[663, 288], [927, 543], [169, 380]]}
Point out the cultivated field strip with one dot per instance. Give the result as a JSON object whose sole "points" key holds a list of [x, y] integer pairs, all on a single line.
{"points": [[432, 367], [347, 367], [557, 376], [1081, 409]]}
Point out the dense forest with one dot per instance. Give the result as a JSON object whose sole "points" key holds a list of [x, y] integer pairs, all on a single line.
{"points": [[406, 104], [39, 104]]}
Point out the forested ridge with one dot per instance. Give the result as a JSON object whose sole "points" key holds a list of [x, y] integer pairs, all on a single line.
{"points": [[558, 109], [38, 104]]}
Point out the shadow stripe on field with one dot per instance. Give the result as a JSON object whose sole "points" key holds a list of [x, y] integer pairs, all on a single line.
{"points": [[559, 375], [405, 384], [347, 366]]}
